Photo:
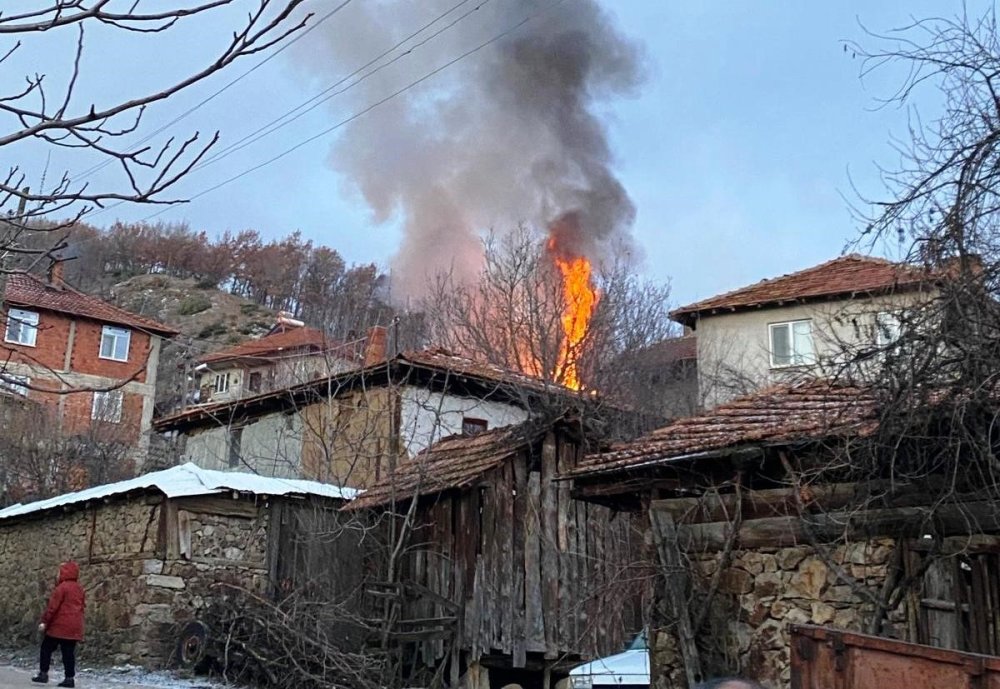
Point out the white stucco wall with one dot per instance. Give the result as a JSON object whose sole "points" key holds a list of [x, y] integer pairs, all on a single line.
{"points": [[428, 416], [734, 348], [270, 446]]}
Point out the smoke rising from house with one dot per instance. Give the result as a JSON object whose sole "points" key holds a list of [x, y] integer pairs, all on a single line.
{"points": [[513, 133]]}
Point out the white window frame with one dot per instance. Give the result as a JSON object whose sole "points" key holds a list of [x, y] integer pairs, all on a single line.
{"points": [[107, 406], [27, 324], [115, 333], [17, 385], [886, 322], [221, 383], [796, 358]]}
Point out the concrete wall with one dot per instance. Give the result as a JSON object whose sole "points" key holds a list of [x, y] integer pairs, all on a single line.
{"points": [[428, 416], [734, 348], [141, 580], [270, 445], [759, 595]]}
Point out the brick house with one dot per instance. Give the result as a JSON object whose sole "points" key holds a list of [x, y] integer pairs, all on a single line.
{"points": [[90, 363], [290, 353]]}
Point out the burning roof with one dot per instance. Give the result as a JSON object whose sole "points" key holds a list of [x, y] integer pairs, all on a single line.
{"points": [[803, 412], [844, 276]]}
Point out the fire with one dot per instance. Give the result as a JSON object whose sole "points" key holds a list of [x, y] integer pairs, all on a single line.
{"points": [[580, 297]]}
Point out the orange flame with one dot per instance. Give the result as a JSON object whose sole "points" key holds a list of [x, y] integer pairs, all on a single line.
{"points": [[580, 297]]}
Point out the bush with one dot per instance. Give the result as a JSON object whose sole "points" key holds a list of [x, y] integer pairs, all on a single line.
{"points": [[212, 329], [194, 303]]}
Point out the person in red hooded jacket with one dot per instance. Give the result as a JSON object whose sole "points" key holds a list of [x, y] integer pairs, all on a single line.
{"points": [[62, 624]]}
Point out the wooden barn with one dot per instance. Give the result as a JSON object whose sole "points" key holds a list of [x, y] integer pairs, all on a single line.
{"points": [[505, 577]]}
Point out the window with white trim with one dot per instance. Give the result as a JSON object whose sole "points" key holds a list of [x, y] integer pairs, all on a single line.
{"points": [[115, 343], [221, 383], [792, 343], [888, 328], [15, 384], [107, 406], [22, 327]]}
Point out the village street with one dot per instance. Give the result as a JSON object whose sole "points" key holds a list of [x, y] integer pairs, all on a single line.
{"points": [[17, 678]]}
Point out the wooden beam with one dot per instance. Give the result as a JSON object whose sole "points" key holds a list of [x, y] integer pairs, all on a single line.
{"points": [[675, 574]]}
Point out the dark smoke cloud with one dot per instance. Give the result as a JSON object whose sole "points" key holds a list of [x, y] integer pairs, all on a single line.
{"points": [[510, 134]]}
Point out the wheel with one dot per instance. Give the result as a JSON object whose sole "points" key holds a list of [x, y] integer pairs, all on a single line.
{"points": [[192, 643]]}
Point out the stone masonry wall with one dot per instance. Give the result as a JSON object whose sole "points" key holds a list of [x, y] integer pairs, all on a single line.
{"points": [[137, 599], [760, 594]]}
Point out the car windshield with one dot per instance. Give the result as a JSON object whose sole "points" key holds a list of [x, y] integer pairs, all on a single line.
{"points": [[638, 643]]}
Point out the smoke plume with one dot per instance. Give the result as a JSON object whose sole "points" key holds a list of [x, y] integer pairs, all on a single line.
{"points": [[512, 133]]}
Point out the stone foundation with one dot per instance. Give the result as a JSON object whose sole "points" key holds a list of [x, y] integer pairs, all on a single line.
{"points": [[763, 591]]}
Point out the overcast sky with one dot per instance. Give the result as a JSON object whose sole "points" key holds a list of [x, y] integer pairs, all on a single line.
{"points": [[737, 150]]}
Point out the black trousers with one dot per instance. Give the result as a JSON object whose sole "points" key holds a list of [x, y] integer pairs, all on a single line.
{"points": [[68, 649]]}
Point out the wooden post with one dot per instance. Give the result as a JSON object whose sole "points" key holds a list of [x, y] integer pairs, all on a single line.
{"points": [[675, 576]]}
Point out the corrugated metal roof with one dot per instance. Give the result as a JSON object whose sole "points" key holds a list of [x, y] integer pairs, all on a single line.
{"points": [[811, 410], [451, 463], [851, 274], [27, 290], [187, 480]]}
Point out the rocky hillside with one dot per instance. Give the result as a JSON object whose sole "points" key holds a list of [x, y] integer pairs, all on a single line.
{"points": [[208, 319]]}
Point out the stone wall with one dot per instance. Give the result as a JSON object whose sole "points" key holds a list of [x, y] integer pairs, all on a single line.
{"points": [[760, 594], [140, 588]]}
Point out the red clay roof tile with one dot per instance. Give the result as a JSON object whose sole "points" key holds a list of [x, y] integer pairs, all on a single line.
{"points": [[846, 275], [27, 290], [276, 344], [805, 411]]}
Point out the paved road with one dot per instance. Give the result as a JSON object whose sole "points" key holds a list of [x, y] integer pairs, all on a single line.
{"points": [[13, 678]]}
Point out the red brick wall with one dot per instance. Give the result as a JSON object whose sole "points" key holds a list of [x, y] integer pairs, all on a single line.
{"points": [[87, 348], [50, 351]]}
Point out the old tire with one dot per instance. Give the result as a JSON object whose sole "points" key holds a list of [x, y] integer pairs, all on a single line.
{"points": [[192, 644]]}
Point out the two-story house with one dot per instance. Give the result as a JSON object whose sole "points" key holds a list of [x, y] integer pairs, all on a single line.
{"points": [[90, 363], [805, 323], [351, 428], [290, 353]]}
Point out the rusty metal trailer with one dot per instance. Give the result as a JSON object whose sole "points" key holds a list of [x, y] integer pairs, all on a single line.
{"points": [[825, 658]]}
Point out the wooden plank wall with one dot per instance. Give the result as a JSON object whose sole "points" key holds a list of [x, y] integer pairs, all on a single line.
{"points": [[537, 574]]}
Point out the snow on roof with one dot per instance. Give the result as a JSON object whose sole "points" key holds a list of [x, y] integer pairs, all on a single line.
{"points": [[188, 480]]}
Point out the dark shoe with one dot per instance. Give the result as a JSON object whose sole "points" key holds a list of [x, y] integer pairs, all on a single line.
{"points": [[68, 682], [41, 678]]}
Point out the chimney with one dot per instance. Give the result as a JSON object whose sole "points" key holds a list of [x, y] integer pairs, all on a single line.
{"points": [[56, 272], [375, 345]]}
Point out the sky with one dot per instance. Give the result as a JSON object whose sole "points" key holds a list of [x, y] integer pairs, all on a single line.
{"points": [[741, 148]]}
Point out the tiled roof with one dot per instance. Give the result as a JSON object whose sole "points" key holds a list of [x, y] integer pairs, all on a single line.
{"points": [[847, 275], [27, 290], [275, 344], [811, 410], [451, 363], [452, 463]]}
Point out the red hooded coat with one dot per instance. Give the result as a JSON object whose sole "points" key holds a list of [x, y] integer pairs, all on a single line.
{"points": [[63, 618]]}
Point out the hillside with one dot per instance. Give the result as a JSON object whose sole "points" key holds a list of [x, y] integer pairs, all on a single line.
{"points": [[208, 319]]}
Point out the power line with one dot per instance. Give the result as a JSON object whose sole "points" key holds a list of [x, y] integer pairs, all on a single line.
{"points": [[366, 110], [100, 166], [325, 95]]}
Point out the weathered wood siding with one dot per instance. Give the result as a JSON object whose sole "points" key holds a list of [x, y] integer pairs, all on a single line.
{"points": [[534, 575]]}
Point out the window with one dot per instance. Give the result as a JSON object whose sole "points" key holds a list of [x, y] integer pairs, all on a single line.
{"points": [[22, 327], [254, 384], [221, 383], [107, 406], [114, 343], [792, 344], [235, 446], [888, 328], [472, 426], [15, 384]]}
